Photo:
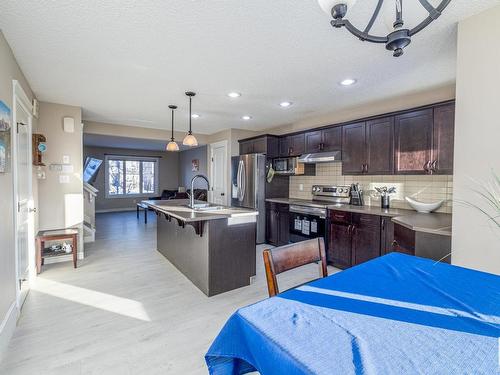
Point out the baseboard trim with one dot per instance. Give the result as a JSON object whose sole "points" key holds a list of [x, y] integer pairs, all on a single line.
{"points": [[7, 328], [115, 210]]}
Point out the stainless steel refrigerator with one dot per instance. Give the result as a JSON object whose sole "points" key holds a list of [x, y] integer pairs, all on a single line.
{"points": [[248, 187]]}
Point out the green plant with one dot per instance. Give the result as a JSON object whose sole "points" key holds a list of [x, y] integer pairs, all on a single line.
{"points": [[489, 193]]}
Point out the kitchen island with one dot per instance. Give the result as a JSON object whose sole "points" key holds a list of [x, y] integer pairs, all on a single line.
{"points": [[212, 246]]}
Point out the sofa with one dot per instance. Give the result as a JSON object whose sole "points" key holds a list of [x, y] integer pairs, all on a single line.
{"points": [[199, 194]]}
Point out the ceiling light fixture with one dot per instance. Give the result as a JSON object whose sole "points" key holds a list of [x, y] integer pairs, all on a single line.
{"points": [[190, 139], [172, 145], [400, 36], [285, 104], [246, 117], [195, 115], [348, 82], [234, 94]]}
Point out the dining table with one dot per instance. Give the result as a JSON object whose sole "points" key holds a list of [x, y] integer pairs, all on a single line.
{"points": [[396, 314]]}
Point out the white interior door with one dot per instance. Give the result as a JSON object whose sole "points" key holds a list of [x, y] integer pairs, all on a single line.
{"points": [[218, 173], [24, 199]]}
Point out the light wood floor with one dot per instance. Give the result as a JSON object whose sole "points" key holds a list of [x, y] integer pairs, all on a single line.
{"points": [[125, 310]]}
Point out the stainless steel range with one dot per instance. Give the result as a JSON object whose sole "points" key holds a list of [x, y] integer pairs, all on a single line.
{"points": [[308, 220]]}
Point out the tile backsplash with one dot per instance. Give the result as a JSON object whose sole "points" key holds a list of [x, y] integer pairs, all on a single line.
{"points": [[421, 187]]}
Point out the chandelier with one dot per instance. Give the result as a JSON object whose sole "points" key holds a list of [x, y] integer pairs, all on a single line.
{"points": [[399, 38]]}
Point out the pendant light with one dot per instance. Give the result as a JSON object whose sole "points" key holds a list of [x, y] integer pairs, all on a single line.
{"points": [[190, 139], [172, 145]]}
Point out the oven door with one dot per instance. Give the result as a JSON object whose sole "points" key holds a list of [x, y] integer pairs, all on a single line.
{"points": [[305, 226]]}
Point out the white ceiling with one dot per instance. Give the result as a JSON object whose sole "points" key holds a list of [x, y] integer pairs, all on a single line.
{"points": [[125, 61]]}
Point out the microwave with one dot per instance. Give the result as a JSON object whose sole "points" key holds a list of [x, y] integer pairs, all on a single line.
{"points": [[288, 166]]}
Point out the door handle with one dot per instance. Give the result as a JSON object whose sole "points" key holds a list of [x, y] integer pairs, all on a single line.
{"points": [[222, 194], [32, 209]]}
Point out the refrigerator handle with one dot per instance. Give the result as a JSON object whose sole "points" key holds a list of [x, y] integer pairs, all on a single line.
{"points": [[238, 181], [243, 181]]}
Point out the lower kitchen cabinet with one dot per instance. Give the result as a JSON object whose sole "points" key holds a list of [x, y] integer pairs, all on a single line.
{"points": [[421, 244], [353, 238], [277, 224], [365, 238]]}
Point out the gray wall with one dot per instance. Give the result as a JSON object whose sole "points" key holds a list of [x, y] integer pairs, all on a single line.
{"points": [[167, 169], [9, 70], [185, 167]]}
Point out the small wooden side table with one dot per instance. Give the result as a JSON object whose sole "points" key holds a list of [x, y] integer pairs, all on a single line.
{"points": [[55, 235]]}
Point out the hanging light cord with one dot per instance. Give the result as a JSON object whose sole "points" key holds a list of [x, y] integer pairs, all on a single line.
{"points": [[172, 138], [190, 115]]}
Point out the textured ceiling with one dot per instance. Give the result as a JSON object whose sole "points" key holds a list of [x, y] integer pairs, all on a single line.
{"points": [[124, 61]]}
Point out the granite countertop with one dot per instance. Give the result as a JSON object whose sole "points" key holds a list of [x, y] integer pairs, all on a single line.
{"points": [[434, 223], [178, 209]]}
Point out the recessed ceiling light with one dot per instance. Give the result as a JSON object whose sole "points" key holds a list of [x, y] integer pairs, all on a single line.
{"points": [[348, 82], [246, 117], [234, 94], [285, 104], [195, 115]]}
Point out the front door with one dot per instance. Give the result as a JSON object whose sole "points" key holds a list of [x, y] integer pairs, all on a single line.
{"points": [[24, 199], [218, 173]]}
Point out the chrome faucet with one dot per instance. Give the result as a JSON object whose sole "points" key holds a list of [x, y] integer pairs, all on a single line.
{"points": [[191, 196]]}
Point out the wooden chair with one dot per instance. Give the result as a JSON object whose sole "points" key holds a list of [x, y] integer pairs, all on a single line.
{"points": [[288, 257]]}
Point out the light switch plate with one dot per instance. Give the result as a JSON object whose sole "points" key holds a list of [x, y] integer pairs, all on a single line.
{"points": [[301, 187], [66, 159], [63, 179]]}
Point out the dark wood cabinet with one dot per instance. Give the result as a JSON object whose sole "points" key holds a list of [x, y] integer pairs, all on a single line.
{"points": [[354, 148], [329, 139], [277, 224], [413, 142], [443, 139], [284, 147], [339, 245], [314, 141], [297, 144], [353, 238], [292, 145], [366, 236], [246, 147], [266, 144], [380, 146]]}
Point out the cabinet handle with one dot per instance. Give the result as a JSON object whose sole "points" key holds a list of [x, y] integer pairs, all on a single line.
{"points": [[434, 166], [366, 168], [426, 166], [290, 150], [395, 245], [383, 224]]}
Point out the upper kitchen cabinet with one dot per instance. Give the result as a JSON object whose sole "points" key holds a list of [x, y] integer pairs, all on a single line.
{"points": [[266, 144], [329, 139], [380, 146], [292, 145], [413, 142], [354, 148], [443, 139]]}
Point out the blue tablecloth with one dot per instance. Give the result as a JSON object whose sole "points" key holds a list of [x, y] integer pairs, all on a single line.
{"points": [[393, 315]]}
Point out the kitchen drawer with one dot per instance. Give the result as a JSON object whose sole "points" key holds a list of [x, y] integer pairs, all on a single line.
{"points": [[366, 220], [340, 216]]}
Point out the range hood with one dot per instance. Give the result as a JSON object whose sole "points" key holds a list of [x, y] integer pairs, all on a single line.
{"points": [[321, 157]]}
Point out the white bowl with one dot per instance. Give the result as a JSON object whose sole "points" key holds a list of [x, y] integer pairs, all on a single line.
{"points": [[423, 207]]}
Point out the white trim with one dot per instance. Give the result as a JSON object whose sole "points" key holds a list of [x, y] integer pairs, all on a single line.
{"points": [[20, 97], [7, 327], [224, 143]]}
